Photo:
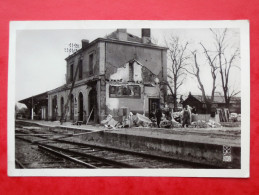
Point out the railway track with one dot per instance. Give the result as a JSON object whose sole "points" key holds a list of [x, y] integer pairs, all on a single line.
{"points": [[92, 156], [95, 156], [90, 161], [35, 158]]}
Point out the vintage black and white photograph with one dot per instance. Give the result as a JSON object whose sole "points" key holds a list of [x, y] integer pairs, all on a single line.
{"points": [[129, 98]]}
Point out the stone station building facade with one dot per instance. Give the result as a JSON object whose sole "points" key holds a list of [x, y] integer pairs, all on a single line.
{"points": [[118, 74]]}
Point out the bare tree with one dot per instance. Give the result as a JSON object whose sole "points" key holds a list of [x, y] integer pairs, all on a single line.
{"points": [[226, 62], [179, 60], [195, 71], [213, 69]]}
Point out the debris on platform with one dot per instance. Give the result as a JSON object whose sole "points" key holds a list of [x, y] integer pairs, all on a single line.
{"points": [[109, 122], [204, 124], [127, 122], [105, 121], [175, 124], [213, 124], [177, 116], [199, 124], [112, 123], [165, 123], [175, 121], [233, 117], [141, 120]]}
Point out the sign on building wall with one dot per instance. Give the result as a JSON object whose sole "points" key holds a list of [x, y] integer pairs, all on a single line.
{"points": [[124, 91], [72, 48]]}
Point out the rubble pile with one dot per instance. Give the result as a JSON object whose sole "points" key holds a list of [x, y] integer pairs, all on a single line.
{"points": [[176, 116], [213, 124], [165, 124], [132, 120], [234, 117], [109, 122], [140, 120], [199, 124], [176, 124], [175, 121], [204, 124]]}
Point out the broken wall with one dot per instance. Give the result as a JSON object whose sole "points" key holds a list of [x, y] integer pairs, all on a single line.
{"points": [[122, 73], [122, 85], [117, 55]]}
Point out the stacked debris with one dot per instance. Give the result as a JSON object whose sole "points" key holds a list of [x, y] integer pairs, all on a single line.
{"points": [[234, 117], [132, 120], [109, 122], [222, 115], [165, 123], [176, 124], [140, 120], [199, 124], [204, 124], [213, 124], [176, 116]]}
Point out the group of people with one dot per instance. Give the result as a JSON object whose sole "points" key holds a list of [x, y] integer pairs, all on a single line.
{"points": [[160, 114]]}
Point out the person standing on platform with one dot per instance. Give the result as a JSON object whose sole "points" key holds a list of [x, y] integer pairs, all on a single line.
{"points": [[186, 116], [158, 116]]}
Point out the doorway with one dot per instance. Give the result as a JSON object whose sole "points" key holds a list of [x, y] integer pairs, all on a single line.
{"points": [[71, 107], [54, 108], [61, 107], [154, 103], [92, 97], [81, 107]]}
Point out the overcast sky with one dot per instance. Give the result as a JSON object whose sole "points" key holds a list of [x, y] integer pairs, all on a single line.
{"points": [[41, 65]]}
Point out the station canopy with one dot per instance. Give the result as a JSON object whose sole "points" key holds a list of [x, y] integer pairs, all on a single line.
{"points": [[36, 100]]}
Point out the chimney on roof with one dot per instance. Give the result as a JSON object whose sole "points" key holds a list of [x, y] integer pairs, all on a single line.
{"points": [[146, 35], [122, 34], [85, 43]]}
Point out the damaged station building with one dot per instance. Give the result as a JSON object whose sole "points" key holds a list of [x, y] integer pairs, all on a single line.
{"points": [[118, 74]]}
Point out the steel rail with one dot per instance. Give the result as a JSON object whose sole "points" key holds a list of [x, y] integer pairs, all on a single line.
{"points": [[66, 156], [101, 159], [152, 156], [146, 155]]}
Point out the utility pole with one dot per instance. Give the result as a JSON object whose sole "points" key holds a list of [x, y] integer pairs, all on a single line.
{"points": [[64, 114]]}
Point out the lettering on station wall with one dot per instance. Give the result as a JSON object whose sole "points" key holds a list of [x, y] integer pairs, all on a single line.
{"points": [[72, 48], [124, 91]]}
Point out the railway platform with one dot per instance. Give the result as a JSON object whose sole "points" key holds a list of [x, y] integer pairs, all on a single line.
{"points": [[203, 145]]}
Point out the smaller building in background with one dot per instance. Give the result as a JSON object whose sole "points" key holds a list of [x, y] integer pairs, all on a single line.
{"points": [[198, 102]]}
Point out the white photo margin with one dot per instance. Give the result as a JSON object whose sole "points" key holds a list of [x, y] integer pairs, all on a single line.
{"points": [[243, 25]]}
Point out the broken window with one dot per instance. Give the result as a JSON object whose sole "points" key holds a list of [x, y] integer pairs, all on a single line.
{"points": [[71, 72], [91, 64], [131, 71], [80, 69]]}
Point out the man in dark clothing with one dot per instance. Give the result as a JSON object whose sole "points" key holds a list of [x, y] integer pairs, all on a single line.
{"points": [[158, 116]]}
